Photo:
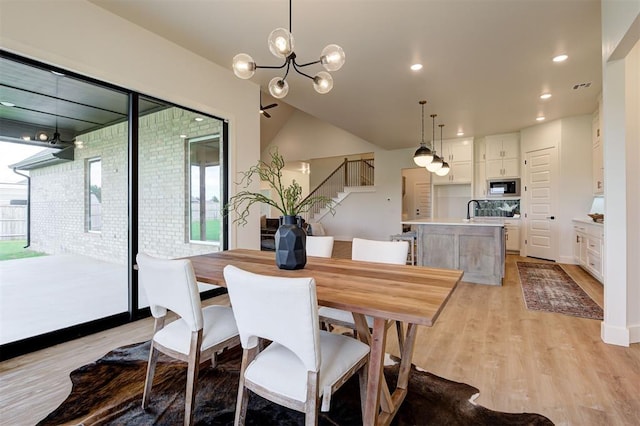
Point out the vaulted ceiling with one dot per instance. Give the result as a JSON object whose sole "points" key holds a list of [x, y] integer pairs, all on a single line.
{"points": [[486, 62]]}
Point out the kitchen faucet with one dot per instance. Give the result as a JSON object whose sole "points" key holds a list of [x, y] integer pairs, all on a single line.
{"points": [[468, 204]]}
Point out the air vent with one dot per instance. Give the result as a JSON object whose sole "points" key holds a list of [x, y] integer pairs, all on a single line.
{"points": [[581, 86]]}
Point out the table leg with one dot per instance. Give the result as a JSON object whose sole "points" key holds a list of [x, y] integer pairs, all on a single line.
{"points": [[376, 374], [407, 356]]}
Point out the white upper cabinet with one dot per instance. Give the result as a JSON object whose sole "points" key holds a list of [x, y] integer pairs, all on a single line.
{"points": [[479, 169], [502, 155], [459, 154]]}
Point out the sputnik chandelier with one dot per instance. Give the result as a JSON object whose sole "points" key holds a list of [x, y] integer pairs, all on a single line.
{"points": [[281, 45]]}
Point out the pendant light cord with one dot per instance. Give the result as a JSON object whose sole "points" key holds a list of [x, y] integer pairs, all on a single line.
{"points": [[433, 137]]}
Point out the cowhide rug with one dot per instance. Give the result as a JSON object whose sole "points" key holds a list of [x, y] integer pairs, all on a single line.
{"points": [[109, 392]]}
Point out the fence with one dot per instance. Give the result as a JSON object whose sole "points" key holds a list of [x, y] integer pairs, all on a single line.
{"points": [[13, 222]]}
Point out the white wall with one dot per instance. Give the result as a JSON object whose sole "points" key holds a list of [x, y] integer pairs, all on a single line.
{"points": [[374, 215], [621, 116], [572, 192], [575, 188], [86, 39], [304, 137]]}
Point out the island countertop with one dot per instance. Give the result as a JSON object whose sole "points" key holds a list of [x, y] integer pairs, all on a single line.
{"points": [[478, 221]]}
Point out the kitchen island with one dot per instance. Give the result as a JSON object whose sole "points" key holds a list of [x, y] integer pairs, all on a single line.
{"points": [[476, 246]]}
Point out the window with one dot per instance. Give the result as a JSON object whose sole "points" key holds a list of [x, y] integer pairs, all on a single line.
{"points": [[205, 190], [94, 194]]}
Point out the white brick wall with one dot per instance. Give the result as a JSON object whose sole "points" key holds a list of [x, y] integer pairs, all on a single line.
{"points": [[58, 194]]}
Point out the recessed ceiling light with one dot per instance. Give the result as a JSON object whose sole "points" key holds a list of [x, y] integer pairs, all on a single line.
{"points": [[460, 133], [7, 104], [416, 67], [545, 96], [560, 58], [540, 118], [199, 119]]}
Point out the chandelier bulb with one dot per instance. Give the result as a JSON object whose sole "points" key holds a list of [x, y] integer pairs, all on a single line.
{"points": [[278, 87], [332, 57], [280, 42], [243, 66], [323, 82]]}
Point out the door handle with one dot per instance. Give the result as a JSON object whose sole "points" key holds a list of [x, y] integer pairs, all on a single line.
{"points": [[551, 217]]}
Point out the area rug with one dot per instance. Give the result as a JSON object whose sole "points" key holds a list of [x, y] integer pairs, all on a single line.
{"points": [[547, 287], [109, 392]]}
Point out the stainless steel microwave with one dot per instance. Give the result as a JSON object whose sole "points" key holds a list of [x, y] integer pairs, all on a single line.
{"points": [[497, 188]]}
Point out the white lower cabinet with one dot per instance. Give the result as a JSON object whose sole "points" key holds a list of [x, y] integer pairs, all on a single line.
{"points": [[512, 235], [587, 247]]}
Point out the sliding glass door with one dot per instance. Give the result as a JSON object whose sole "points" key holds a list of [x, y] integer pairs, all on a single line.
{"points": [[84, 153]]}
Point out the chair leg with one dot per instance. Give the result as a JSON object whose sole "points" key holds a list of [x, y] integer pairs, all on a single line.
{"points": [[151, 370], [400, 335], [192, 376], [311, 409], [243, 393], [362, 379]]}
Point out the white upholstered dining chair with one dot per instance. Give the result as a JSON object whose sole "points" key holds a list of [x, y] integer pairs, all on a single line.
{"points": [[391, 252], [196, 335], [319, 246], [302, 363]]}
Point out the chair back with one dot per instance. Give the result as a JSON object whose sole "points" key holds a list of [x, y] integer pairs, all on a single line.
{"points": [[319, 246], [283, 310], [171, 285], [394, 252]]}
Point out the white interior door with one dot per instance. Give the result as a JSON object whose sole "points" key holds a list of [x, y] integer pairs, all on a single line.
{"points": [[422, 200], [540, 172]]}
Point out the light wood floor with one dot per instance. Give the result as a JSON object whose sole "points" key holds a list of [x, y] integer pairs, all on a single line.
{"points": [[520, 360]]}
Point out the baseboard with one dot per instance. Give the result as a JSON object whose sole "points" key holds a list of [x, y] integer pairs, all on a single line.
{"points": [[621, 336], [634, 334]]}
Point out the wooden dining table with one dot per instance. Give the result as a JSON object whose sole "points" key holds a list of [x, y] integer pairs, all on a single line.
{"points": [[413, 295]]}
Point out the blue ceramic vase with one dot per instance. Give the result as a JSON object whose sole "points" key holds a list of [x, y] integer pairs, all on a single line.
{"points": [[290, 242]]}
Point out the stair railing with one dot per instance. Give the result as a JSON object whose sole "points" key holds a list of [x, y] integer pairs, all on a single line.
{"points": [[349, 173]]}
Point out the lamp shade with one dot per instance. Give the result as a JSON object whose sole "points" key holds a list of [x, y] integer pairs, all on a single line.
{"points": [[278, 87], [280, 42], [444, 170], [323, 82], [423, 156], [332, 57], [243, 66], [435, 164]]}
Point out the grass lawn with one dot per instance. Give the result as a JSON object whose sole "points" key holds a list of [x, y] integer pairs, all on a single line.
{"points": [[213, 230], [13, 249]]}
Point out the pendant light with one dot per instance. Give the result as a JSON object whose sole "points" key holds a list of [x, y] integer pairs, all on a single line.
{"points": [[436, 163], [423, 155], [444, 170]]}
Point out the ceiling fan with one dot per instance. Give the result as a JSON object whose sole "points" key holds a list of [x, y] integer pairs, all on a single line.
{"points": [[264, 108]]}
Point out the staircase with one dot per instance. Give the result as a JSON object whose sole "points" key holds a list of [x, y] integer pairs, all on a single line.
{"points": [[351, 176]]}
